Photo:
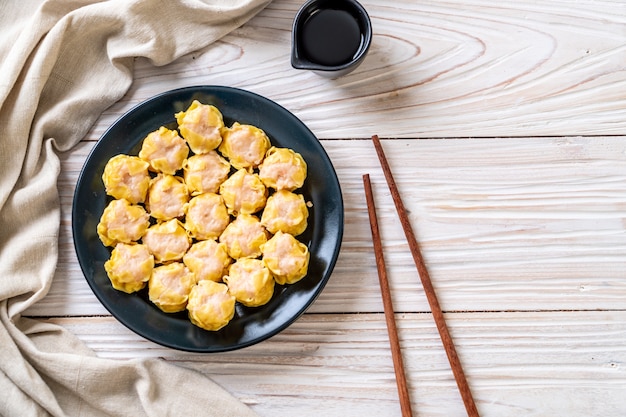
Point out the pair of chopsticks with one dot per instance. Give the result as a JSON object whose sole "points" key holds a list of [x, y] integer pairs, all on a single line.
{"points": [[431, 296]]}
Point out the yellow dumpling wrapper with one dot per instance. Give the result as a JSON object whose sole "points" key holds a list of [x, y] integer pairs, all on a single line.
{"points": [[210, 305], [244, 236], [164, 150], [283, 169], [205, 173], [243, 193], [200, 125], [250, 282], [244, 145], [126, 177], [167, 241], [130, 266], [122, 222], [206, 216], [286, 212], [286, 258], [167, 197], [169, 287], [207, 259]]}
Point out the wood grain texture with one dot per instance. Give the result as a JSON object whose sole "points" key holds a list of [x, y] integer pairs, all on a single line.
{"points": [[462, 68], [503, 123], [516, 224], [518, 364], [424, 275]]}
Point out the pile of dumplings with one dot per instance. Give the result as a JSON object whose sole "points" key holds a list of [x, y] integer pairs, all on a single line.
{"points": [[205, 216]]}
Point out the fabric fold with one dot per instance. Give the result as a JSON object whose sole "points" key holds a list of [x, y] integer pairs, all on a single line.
{"points": [[62, 63]]}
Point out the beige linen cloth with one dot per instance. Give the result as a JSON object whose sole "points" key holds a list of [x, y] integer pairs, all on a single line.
{"points": [[62, 62]]}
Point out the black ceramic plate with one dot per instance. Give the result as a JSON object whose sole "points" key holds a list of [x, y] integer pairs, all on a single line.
{"points": [[250, 325]]}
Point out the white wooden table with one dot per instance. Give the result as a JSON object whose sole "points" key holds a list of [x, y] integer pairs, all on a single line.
{"points": [[505, 126]]}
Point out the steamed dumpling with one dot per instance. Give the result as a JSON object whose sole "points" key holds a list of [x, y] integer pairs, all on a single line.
{"points": [[286, 212], [122, 222], [244, 145], [206, 216], [167, 241], [207, 259], [283, 169], [210, 305], [169, 287], [167, 197], [205, 173], [286, 258], [171, 225], [164, 150], [244, 236], [250, 282], [130, 266], [243, 193], [126, 177], [200, 125]]}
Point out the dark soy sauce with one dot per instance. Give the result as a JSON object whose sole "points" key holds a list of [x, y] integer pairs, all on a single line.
{"points": [[331, 37]]}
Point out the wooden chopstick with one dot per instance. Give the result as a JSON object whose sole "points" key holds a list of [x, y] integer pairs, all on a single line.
{"points": [[431, 296], [396, 353]]}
